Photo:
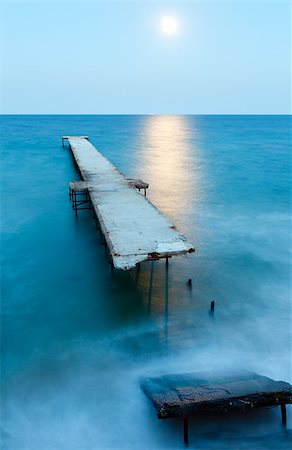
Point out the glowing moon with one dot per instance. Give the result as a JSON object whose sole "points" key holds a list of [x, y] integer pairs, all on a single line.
{"points": [[168, 25]]}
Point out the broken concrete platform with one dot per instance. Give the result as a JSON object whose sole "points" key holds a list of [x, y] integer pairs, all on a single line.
{"points": [[182, 395]]}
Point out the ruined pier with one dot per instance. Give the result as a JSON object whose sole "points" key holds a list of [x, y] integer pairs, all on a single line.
{"points": [[187, 394], [133, 228]]}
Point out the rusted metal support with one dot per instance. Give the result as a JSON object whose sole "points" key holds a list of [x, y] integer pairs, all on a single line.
{"points": [[186, 431], [78, 194], [74, 204], [284, 415], [97, 225], [150, 287], [103, 241], [138, 268], [166, 306]]}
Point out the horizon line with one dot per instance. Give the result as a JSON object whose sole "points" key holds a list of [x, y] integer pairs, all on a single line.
{"points": [[146, 114]]}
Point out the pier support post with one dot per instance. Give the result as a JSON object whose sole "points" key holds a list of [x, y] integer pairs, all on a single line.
{"points": [[74, 203], [166, 306], [103, 242], [186, 431], [284, 415], [150, 287], [97, 226]]}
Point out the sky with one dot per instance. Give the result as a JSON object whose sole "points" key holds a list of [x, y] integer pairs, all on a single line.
{"points": [[105, 57]]}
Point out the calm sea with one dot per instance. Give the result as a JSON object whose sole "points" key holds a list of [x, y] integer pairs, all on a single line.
{"points": [[76, 340]]}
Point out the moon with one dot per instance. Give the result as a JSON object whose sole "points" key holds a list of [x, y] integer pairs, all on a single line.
{"points": [[168, 25]]}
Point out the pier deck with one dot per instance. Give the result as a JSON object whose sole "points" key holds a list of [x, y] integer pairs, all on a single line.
{"points": [[134, 229], [183, 395]]}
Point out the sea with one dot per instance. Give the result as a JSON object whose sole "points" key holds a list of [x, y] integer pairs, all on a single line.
{"points": [[76, 339]]}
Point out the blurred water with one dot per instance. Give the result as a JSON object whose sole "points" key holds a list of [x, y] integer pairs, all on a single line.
{"points": [[75, 339]]}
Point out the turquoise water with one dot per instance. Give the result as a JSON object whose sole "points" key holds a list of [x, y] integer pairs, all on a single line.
{"points": [[76, 339]]}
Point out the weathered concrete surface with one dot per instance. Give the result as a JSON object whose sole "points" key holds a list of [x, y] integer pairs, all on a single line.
{"points": [[134, 229], [184, 394]]}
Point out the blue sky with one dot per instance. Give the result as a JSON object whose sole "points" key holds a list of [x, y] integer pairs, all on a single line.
{"points": [[104, 57]]}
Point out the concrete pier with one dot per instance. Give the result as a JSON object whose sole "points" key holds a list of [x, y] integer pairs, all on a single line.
{"points": [[134, 229]]}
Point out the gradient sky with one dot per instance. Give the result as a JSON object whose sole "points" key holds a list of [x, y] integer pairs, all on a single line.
{"points": [[91, 57]]}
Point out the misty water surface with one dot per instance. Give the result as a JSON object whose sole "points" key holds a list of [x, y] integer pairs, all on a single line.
{"points": [[76, 340]]}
